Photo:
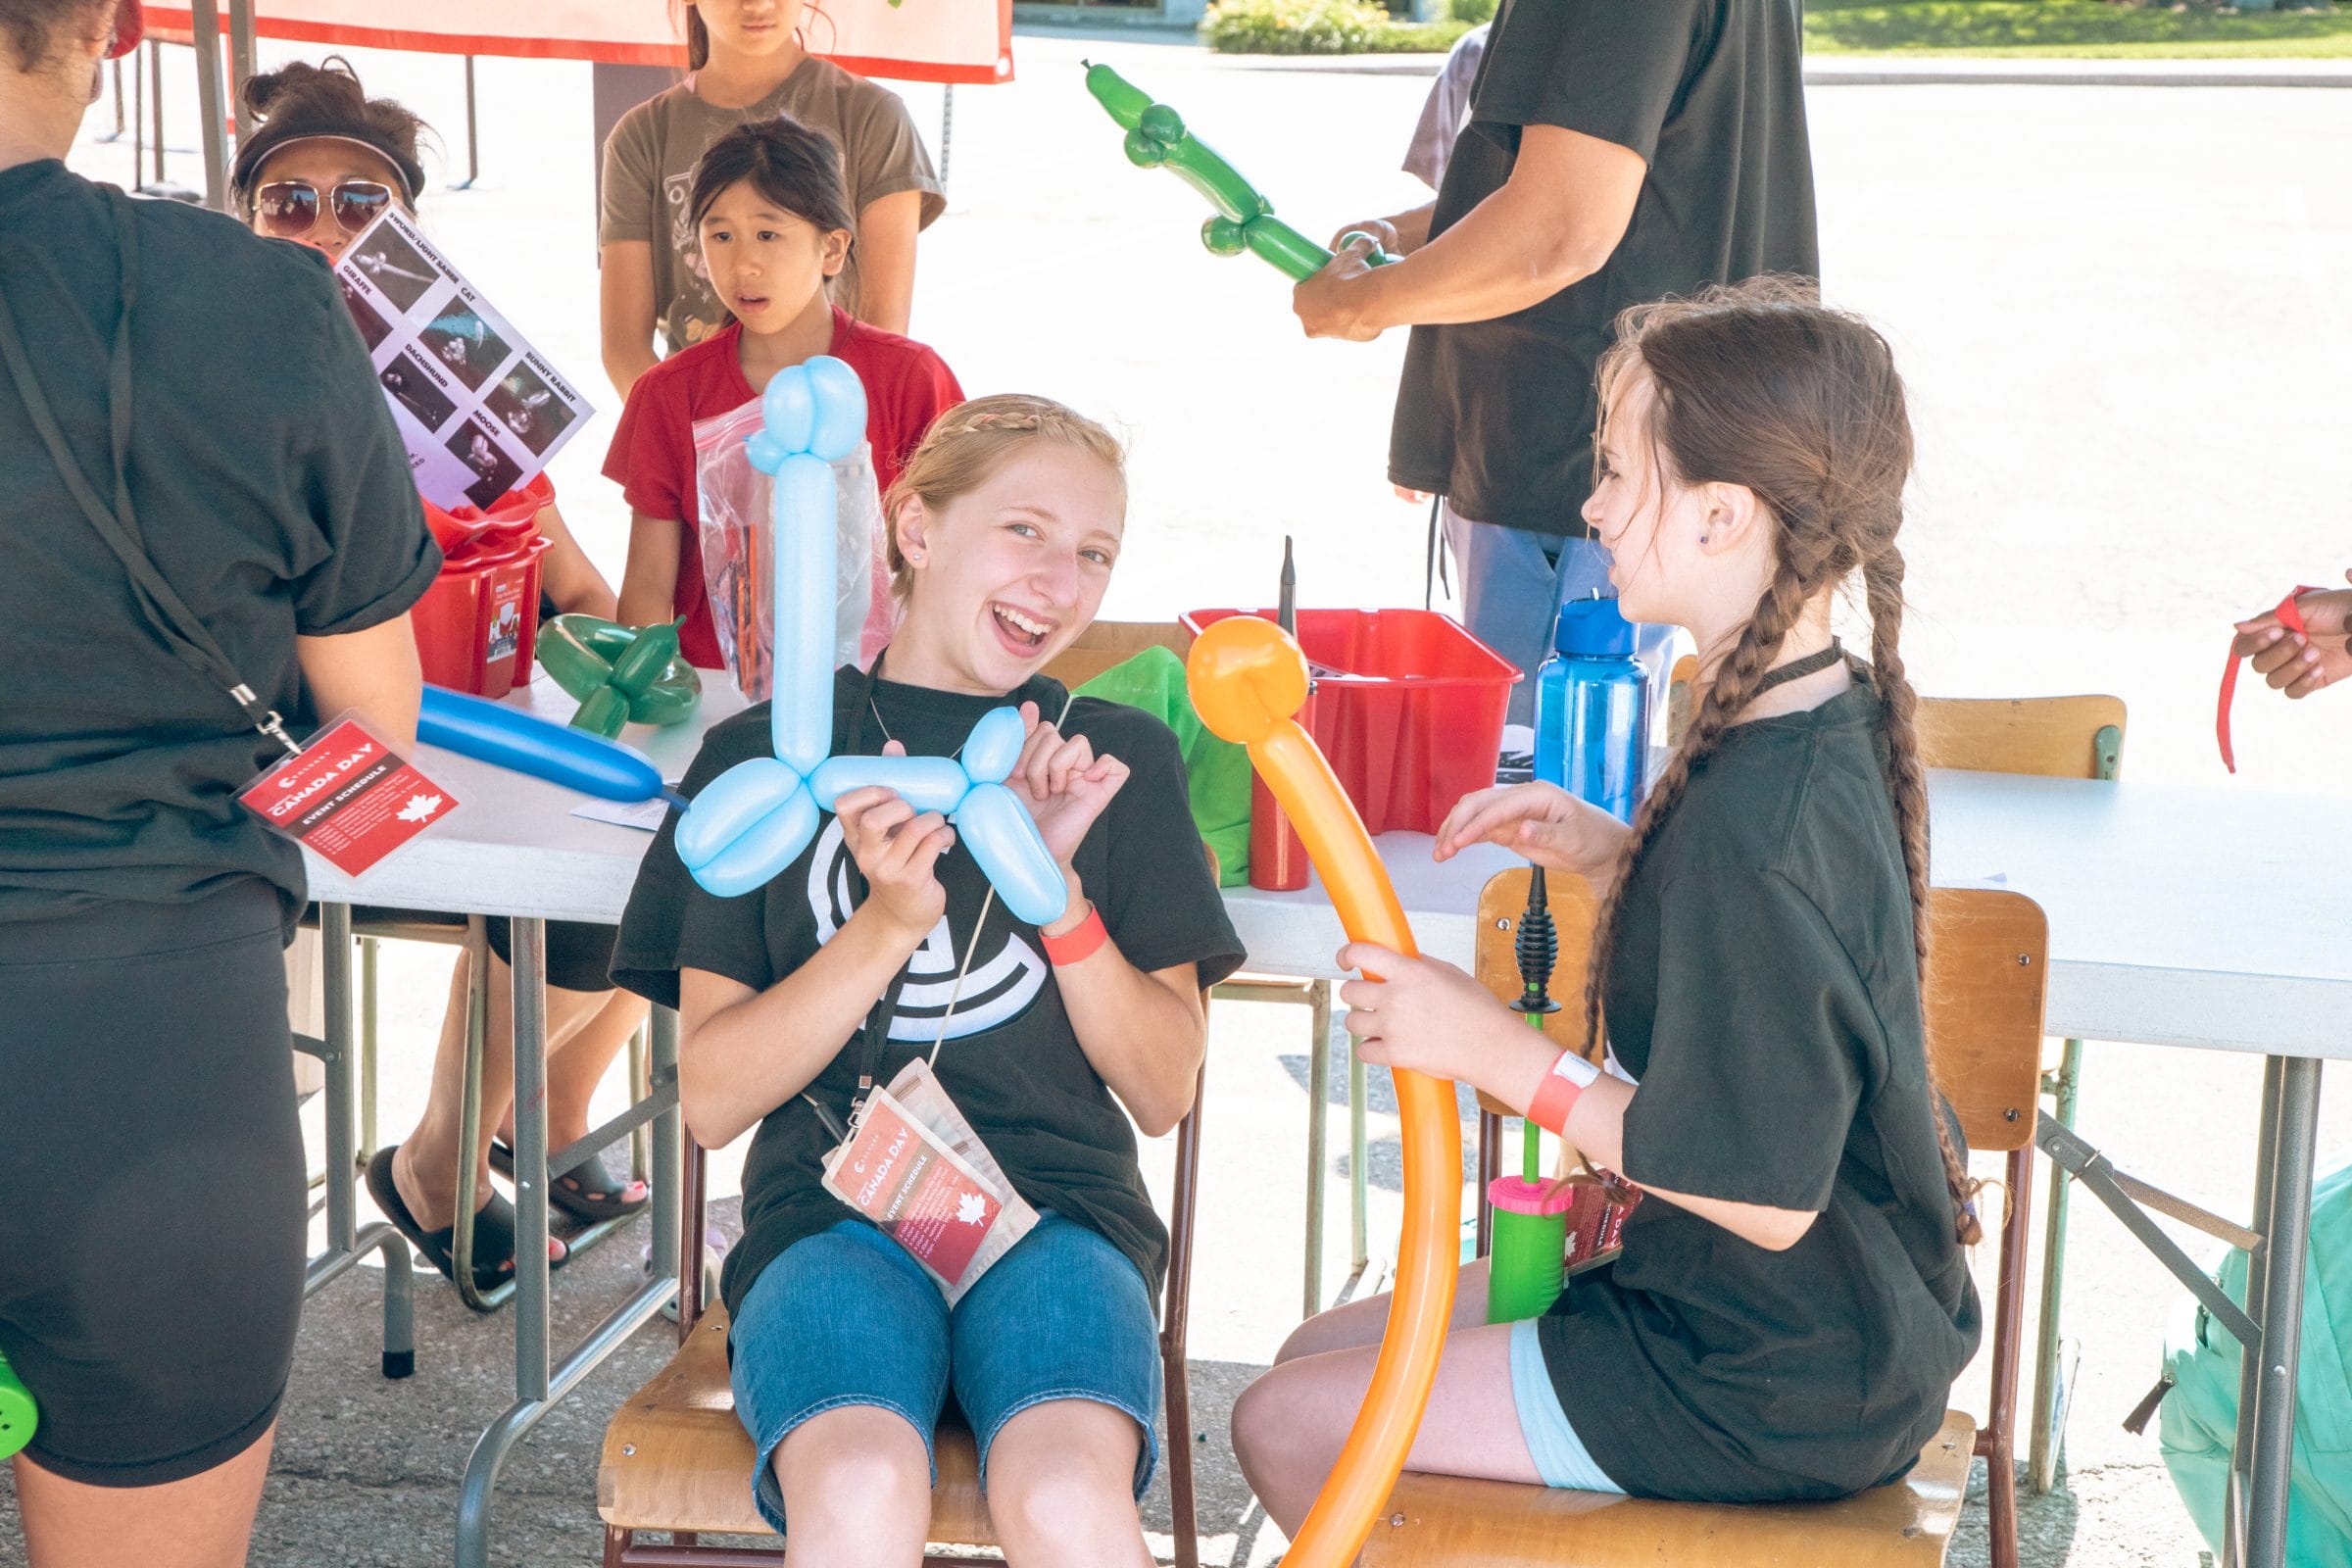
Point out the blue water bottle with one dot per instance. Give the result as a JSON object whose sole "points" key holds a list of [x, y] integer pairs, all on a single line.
{"points": [[1592, 708]]}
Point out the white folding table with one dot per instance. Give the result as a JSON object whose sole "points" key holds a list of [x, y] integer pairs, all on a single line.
{"points": [[2210, 919]]}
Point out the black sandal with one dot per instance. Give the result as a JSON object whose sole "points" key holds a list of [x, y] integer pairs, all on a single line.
{"points": [[493, 1231], [566, 1193]]}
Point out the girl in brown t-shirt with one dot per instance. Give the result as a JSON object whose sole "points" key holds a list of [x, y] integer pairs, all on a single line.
{"points": [[748, 60]]}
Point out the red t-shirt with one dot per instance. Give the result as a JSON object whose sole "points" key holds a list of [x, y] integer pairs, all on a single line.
{"points": [[906, 387]]}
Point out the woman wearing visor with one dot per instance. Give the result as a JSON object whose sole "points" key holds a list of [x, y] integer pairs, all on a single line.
{"points": [[208, 521]]}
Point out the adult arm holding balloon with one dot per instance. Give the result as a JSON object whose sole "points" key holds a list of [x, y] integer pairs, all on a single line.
{"points": [[1554, 222]]}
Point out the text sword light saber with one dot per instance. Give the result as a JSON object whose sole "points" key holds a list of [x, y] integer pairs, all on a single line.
{"points": [[1247, 679]]}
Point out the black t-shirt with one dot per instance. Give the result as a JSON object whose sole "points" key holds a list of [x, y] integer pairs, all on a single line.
{"points": [[1011, 1059], [272, 493], [1498, 416], [1765, 994]]}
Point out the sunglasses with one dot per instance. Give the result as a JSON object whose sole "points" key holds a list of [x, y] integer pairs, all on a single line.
{"points": [[289, 208]]}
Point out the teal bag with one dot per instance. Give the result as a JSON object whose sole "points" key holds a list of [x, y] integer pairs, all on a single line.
{"points": [[2199, 1414], [1216, 771]]}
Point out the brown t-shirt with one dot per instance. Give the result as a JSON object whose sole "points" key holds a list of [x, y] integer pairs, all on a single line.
{"points": [[649, 170]]}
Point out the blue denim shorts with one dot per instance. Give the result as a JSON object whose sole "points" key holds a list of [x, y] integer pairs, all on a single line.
{"points": [[846, 1317]]}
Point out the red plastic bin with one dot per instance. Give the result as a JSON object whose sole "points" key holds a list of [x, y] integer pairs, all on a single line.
{"points": [[1408, 708], [478, 626]]}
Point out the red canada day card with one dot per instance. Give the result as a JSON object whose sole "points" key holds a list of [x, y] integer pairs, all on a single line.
{"points": [[898, 1174], [349, 798]]}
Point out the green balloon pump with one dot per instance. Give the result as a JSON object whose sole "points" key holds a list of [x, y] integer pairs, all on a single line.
{"points": [[1531, 1215]]}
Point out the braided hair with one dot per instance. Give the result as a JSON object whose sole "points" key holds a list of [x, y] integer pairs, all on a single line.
{"points": [[1761, 387], [969, 443]]}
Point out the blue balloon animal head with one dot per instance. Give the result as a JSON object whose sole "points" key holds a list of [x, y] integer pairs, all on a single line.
{"points": [[817, 407], [755, 818]]}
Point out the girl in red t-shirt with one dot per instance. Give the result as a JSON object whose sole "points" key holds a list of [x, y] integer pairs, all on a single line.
{"points": [[768, 205]]}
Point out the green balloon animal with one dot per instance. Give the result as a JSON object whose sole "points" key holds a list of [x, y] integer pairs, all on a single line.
{"points": [[1157, 138], [622, 674]]}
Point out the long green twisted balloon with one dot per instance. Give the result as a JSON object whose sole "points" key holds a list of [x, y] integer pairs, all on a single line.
{"points": [[1157, 138]]}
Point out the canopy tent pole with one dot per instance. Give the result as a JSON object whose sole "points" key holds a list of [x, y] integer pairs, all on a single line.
{"points": [[473, 134], [240, 61], [206, 16]]}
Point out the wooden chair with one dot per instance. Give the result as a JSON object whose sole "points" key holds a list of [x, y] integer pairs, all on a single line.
{"points": [[678, 1460], [1983, 1007], [2049, 737]]}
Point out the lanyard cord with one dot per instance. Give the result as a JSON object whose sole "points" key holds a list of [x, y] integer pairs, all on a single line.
{"points": [[182, 631], [875, 1035]]}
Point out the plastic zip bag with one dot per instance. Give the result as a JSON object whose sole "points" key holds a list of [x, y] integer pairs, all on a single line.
{"points": [[736, 538]]}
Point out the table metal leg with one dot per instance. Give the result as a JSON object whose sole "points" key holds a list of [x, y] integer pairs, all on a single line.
{"points": [[538, 1387], [2241, 1447], [1318, 1114], [369, 952], [345, 1241], [2270, 1464], [661, 1076], [530, 1157], [1359, 1174]]}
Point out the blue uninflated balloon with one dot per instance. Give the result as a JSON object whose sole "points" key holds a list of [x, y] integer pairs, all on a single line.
{"points": [[524, 742], [801, 714]]}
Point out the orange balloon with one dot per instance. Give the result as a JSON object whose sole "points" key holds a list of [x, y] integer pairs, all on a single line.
{"points": [[1247, 678]]}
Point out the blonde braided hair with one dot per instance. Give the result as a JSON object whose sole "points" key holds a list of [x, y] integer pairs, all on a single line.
{"points": [[969, 443]]}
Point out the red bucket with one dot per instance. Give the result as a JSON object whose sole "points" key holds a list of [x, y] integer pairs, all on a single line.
{"points": [[1408, 708], [477, 627]]}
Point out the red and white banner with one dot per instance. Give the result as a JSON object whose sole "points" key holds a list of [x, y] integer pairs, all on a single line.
{"points": [[909, 40]]}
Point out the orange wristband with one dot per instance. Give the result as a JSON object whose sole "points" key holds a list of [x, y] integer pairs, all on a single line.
{"points": [[1557, 1095], [1077, 944]]}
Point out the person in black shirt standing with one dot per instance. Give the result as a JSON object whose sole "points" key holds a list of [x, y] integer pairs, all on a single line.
{"points": [[1792, 1305], [186, 409], [1618, 152]]}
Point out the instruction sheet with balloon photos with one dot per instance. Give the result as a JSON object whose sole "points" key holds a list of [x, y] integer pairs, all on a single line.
{"points": [[480, 410]]}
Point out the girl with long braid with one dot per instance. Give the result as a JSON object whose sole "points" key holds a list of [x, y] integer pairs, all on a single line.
{"points": [[1792, 1302]]}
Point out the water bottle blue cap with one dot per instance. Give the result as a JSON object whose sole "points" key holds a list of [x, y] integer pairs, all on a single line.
{"points": [[1595, 629]]}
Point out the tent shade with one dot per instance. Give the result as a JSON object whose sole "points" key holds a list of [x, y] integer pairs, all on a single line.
{"points": [[912, 40]]}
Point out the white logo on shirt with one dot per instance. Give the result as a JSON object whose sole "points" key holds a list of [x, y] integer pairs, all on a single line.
{"points": [[997, 989]]}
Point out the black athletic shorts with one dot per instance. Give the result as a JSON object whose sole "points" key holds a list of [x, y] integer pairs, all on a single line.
{"points": [[151, 1183], [579, 955]]}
